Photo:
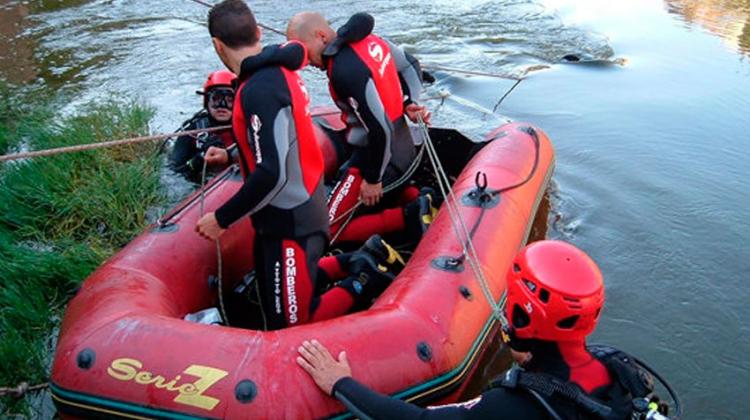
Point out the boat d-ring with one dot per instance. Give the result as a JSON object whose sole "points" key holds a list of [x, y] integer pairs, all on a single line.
{"points": [[450, 264], [480, 180], [481, 196]]}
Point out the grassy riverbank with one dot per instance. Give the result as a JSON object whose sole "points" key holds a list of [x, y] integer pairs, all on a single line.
{"points": [[60, 217]]}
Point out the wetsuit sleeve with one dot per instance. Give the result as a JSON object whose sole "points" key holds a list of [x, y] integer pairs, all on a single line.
{"points": [[234, 153], [494, 404], [270, 107], [409, 73], [186, 157], [351, 80]]}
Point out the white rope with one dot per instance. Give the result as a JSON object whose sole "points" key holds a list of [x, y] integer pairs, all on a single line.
{"points": [[459, 226], [468, 72], [266, 27], [219, 265], [105, 144]]}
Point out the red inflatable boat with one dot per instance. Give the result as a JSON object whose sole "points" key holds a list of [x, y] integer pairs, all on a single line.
{"points": [[125, 351]]}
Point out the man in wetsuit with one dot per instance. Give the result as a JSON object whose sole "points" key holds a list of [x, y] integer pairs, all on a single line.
{"points": [[376, 85], [555, 297], [282, 165], [218, 98]]}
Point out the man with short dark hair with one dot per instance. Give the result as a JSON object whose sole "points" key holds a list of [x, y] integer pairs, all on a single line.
{"points": [[283, 168]]}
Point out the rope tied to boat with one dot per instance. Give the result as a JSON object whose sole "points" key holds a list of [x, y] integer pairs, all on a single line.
{"points": [[219, 274], [22, 389], [459, 226]]}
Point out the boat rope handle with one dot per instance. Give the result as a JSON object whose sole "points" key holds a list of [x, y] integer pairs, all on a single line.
{"points": [[459, 225]]}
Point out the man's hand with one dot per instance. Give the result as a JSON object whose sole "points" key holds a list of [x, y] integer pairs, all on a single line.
{"points": [[370, 194], [208, 227], [216, 156], [414, 110], [324, 369]]}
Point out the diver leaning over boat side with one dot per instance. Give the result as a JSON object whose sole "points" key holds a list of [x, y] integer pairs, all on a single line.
{"points": [[376, 85], [555, 298]]}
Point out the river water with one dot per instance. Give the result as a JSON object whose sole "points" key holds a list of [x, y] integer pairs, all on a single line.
{"points": [[650, 129]]}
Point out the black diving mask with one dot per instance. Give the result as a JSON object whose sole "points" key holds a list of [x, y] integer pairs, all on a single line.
{"points": [[220, 98]]}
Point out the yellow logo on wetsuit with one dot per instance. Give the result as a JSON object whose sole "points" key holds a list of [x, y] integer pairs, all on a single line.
{"points": [[190, 393]]}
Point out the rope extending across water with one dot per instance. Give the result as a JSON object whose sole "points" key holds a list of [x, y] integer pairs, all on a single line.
{"points": [[425, 66], [22, 389], [268, 28], [106, 144]]}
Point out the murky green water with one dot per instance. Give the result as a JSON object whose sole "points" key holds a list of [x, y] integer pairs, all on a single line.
{"points": [[650, 131]]}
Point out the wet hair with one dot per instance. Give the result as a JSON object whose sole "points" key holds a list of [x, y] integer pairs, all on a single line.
{"points": [[233, 23]]}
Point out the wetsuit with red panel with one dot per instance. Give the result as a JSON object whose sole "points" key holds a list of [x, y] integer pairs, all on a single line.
{"points": [[283, 190], [371, 81]]}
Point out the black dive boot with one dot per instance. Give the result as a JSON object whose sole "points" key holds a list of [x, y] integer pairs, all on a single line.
{"points": [[436, 200], [367, 279], [420, 213], [384, 254]]}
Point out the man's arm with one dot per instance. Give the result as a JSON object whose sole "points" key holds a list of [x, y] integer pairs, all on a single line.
{"points": [[496, 403], [185, 156], [334, 377], [271, 111], [409, 73], [365, 403], [352, 82], [410, 76]]}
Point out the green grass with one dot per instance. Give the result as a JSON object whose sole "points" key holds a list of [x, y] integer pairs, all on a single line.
{"points": [[60, 217]]}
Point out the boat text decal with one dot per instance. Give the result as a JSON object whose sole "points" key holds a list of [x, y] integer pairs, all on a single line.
{"points": [[189, 393]]}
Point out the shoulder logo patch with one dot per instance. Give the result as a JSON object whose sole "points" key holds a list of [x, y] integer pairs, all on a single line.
{"points": [[376, 51], [256, 124]]}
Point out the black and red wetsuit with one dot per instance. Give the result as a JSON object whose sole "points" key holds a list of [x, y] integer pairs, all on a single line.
{"points": [[568, 362], [371, 81], [187, 153], [283, 191]]}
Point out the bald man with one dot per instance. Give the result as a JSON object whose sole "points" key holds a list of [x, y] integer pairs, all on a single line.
{"points": [[376, 85]]}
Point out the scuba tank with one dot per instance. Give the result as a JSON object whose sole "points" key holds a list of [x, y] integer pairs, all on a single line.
{"points": [[631, 395]]}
